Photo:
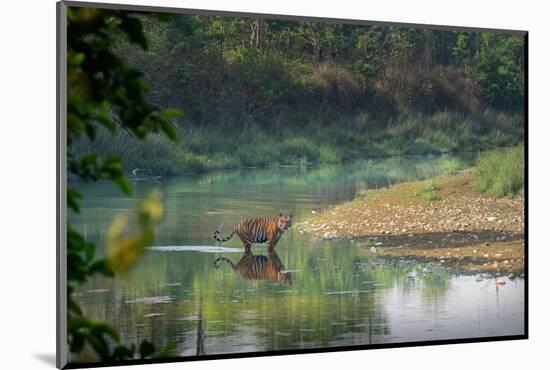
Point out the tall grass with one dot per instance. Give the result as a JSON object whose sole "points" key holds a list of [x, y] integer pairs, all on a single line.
{"points": [[501, 172], [451, 166], [430, 191], [297, 137]]}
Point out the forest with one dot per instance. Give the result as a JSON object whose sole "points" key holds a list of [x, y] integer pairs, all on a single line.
{"points": [[262, 92]]}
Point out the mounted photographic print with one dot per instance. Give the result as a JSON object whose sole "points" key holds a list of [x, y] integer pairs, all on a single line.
{"points": [[235, 184]]}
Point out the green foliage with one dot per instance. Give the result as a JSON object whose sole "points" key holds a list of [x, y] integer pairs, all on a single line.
{"points": [[500, 70], [329, 154], [252, 86], [501, 172], [102, 89], [81, 261], [429, 190], [104, 93], [251, 69], [298, 147], [123, 251], [453, 165], [330, 139], [90, 168]]}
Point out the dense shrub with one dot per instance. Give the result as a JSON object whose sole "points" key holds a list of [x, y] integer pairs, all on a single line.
{"points": [[501, 172]]}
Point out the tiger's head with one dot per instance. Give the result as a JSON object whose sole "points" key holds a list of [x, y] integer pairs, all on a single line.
{"points": [[284, 222]]}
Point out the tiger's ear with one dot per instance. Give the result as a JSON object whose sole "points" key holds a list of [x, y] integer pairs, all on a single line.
{"points": [[280, 215], [290, 216]]}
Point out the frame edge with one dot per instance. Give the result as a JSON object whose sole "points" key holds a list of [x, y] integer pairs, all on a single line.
{"points": [[61, 188]]}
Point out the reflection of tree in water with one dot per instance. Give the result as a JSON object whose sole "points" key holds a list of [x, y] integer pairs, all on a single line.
{"points": [[336, 298], [370, 173], [327, 307], [434, 288], [200, 326], [410, 278], [258, 267]]}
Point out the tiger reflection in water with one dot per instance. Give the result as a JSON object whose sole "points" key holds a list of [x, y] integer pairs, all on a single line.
{"points": [[258, 267]]}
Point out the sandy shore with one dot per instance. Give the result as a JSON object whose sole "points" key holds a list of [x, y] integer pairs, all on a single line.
{"points": [[443, 220]]}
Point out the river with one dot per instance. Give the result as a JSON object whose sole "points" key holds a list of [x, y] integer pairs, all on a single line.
{"points": [[328, 293]]}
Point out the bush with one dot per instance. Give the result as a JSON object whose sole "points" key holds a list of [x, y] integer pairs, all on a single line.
{"points": [[320, 137], [451, 166], [430, 191], [330, 154], [333, 82], [501, 172], [299, 148]]}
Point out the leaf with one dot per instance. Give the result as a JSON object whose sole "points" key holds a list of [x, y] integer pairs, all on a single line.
{"points": [[124, 184], [163, 17], [172, 113], [168, 350], [134, 30], [90, 131], [122, 251], [102, 267], [169, 129], [72, 199], [146, 349], [102, 327], [151, 207], [75, 59], [99, 344], [78, 322], [123, 353], [73, 307]]}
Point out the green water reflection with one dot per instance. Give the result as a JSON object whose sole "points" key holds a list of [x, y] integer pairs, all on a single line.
{"points": [[336, 293]]}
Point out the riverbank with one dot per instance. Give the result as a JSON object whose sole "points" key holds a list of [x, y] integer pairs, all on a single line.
{"points": [[302, 139], [442, 220]]}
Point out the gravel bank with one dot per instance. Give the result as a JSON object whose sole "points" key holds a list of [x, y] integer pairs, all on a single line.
{"points": [[443, 220]]}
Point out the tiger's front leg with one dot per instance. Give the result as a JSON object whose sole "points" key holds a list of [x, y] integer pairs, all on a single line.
{"points": [[273, 241]]}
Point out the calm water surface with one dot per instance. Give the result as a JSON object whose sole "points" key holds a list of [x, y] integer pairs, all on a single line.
{"points": [[334, 293]]}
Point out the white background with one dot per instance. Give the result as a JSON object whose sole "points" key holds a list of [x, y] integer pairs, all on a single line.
{"points": [[27, 193]]}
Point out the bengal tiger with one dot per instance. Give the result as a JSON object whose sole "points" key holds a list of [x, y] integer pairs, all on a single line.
{"points": [[259, 230], [258, 267]]}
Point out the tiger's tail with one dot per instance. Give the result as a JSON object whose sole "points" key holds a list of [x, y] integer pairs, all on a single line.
{"points": [[218, 238], [219, 260]]}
